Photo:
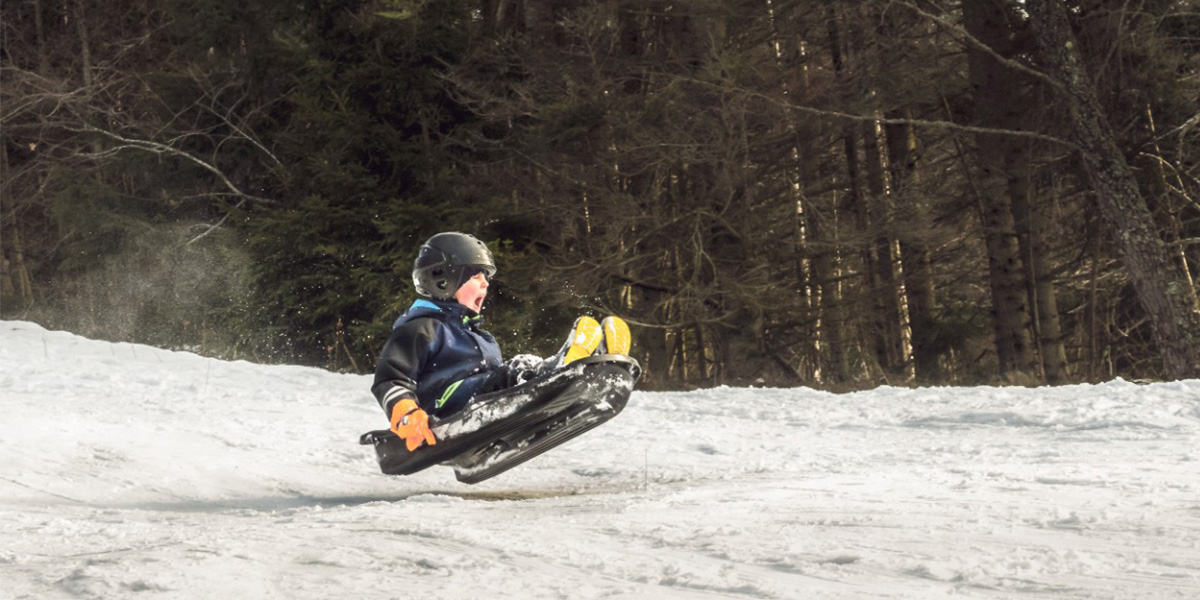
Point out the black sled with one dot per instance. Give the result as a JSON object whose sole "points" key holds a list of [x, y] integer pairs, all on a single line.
{"points": [[501, 430]]}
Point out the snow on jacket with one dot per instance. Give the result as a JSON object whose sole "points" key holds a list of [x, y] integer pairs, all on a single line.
{"points": [[437, 355]]}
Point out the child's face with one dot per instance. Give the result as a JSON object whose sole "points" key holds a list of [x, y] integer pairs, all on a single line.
{"points": [[472, 293]]}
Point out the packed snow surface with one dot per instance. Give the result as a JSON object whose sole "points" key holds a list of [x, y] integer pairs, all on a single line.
{"points": [[133, 472]]}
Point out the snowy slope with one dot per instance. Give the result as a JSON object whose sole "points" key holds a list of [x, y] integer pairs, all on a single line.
{"points": [[133, 472]]}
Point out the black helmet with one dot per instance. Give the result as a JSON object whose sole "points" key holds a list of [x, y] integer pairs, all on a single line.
{"points": [[447, 260]]}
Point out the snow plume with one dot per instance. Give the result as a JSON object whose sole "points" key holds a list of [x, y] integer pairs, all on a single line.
{"points": [[131, 471], [154, 288]]}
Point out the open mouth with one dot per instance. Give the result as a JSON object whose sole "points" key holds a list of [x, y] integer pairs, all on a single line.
{"points": [[477, 302]]}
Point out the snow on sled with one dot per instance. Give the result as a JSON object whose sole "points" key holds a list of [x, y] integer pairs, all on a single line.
{"points": [[501, 430]]}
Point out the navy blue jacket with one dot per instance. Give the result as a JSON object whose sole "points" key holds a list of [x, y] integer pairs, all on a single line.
{"points": [[437, 355]]}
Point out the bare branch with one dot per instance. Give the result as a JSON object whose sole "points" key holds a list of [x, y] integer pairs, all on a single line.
{"points": [[159, 148], [217, 225], [970, 40], [946, 125]]}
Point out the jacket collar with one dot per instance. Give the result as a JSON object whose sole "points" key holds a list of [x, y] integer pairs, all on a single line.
{"points": [[452, 309]]}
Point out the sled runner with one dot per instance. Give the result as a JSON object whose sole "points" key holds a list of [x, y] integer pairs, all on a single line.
{"points": [[501, 430]]}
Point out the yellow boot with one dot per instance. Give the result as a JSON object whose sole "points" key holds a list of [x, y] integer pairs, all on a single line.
{"points": [[586, 336], [616, 336]]}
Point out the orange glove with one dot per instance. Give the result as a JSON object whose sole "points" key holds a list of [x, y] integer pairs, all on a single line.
{"points": [[412, 424]]}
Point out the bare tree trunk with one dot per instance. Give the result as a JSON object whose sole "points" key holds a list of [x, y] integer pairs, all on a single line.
{"points": [[1010, 316], [1159, 281], [85, 45], [24, 283], [1093, 313], [15, 279], [856, 201], [1170, 221], [816, 229], [997, 103], [654, 345], [681, 354], [914, 254], [868, 300], [43, 61], [1043, 297], [502, 16], [830, 306], [886, 287], [702, 364], [6, 284]]}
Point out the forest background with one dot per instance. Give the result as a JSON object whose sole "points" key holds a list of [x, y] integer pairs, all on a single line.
{"points": [[838, 194]]}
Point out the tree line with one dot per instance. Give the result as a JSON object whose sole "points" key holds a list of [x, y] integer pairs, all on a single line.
{"points": [[788, 192]]}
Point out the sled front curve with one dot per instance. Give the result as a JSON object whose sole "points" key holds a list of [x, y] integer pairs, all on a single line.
{"points": [[587, 402], [604, 380]]}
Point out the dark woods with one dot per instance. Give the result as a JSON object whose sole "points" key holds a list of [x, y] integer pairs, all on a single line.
{"points": [[835, 194]]}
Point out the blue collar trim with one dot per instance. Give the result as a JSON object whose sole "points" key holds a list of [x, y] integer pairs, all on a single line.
{"points": [[423, 303], [452, 310]]}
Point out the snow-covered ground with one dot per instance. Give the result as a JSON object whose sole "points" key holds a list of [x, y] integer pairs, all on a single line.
{"points": [[133, 472]]}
